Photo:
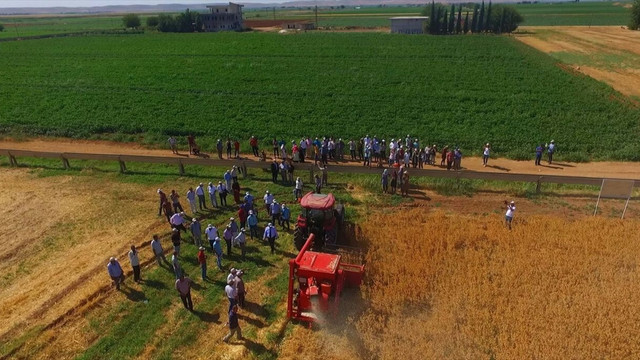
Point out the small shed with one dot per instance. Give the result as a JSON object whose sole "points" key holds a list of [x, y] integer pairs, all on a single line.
{"points": [[299, 25], [408, 24]]}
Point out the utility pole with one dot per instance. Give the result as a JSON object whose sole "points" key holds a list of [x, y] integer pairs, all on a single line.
{"points": [[274, 13], [316, 16]]}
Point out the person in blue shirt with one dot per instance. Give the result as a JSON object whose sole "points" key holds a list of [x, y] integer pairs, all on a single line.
{"points": [[217, 249], [270, 233], [385, 181], [539, 151], [551, 150], [252, 221], [248, 199], [285, 217], [115, 272], [275, 212]]}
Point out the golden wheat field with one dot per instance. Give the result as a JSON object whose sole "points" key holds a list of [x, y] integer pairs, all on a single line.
{"points": [[455, 287]]}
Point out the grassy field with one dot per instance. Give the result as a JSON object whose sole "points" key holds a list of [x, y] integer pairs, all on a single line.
{"points": [[456, 90], [479, 291], [31, 26]]}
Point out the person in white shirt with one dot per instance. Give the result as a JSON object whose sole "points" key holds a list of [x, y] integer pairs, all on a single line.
{"points": [[298, 189], [303, 149], [177, 222], [135, 263], [485, 155], [232, 275], [270, 233], [232, 293], [200, 193], [212, 195], [268, 199], [508, 217], [157, 249], [172, 144], [222, 192], [212, 234], [240, 240], [191, 198]]}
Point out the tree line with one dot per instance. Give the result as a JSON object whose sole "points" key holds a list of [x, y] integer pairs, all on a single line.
{"points": [[484, 19], [188, 21]]}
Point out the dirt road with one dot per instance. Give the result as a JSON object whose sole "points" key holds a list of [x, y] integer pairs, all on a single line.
{"points": [[607, 53], [624, 170]]}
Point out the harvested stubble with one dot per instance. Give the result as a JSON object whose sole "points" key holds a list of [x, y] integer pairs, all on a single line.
{"points": [[463, 287]]}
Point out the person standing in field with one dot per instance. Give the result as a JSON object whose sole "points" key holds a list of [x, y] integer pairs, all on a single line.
{"points": [[231, 292], [173, 144], [229, 148], [163, 198], [252, 221], [298, 190], [175, 200], [275, 211], [318, 183], [219, 148], [234, 327], [212, 234], [539, 151], [217, 249], [202, 260], [176, 264], [135, 263], [508, 217], [253, 142], [196, 232], [274, 144], [191, 199], [268, 199], [200, 192], [227, 178], [405, 184], [242, 216], [385, 181], [445, 157], [551, 150], [168, 210], [485, 155], [175, 240], [177, 222], [236, 148], [211, 189], [303, 149], [270, 234], [115, 272], [241, 240], [285, 217], [183, 285], [240, 288], [394, 181], [222, 192], [158, 251], [275, 169], [228, 237]]}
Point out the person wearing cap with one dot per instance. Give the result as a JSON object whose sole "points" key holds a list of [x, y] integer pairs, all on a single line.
{"points": [[235, 187], [242, 216], [551, 150], [248, 199], [175, 262], [212, 194], [283, 171], [173, 144], [234, 326], [268, 199], [241, 240], [539, 151], [135, 263], [252, 221], [508, 217], [231, 291], [196, 232], [158, 251], [217, 249], [163, 198], [183, 285], [227, 178], [240, 288], [219, 148], [228, 237], [234, 173], [385, 181], [325, 175], [211, 233], [168, 210], [233, 225], [200, 192], [232, 274], [177, 222], [404, 188], [275, 169], [222, 192], [275, 210], [298, 189], [303, 149], [115, 272], [485, 155], [202, 260], [285, 217], [191, 198], [176, 239], [175, 200], [270, 233]]}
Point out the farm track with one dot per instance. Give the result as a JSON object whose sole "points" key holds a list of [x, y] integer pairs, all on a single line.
{"points": [[604, 169]]}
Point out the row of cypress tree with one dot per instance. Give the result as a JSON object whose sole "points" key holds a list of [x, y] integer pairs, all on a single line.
{"points": [[492, 18]]}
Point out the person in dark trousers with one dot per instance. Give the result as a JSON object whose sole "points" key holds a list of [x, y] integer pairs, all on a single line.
{"points": [[219, 148], [270, 233], [176, 239], [551, 150], [254, 146], [231, 292], [228, 237], [228, 148], [115, 272], [234, 327], [168, 210], [183, 285], [175, 200], [163, 198], [539, 151], [201, 200], [135, 263], [285, 217], [202, 260], [240, 288], [275, 170], [318, 182]]}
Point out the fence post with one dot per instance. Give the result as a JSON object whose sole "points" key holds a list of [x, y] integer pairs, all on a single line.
{"points": [[243, 169], [538, 183], [12, 160], [311, 179], [65, 162], [123, 167], [181, 167]]}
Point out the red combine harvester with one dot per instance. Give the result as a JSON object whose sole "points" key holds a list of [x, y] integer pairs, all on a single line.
{"points": [[321, 217], [315, 277]]}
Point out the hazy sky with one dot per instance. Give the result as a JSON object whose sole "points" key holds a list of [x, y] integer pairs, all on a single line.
{"points": [[82, 3]]}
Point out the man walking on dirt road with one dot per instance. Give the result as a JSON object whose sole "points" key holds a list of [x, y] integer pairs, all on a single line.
{"points": [[115, 272], [508, 217], [183, 285]]}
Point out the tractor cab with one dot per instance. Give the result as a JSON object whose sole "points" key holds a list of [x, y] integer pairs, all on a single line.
{"points": [[320, 216]]}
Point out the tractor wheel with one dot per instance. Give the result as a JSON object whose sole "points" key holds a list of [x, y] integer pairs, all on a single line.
{"points": [[299, 238], [330, 236]]}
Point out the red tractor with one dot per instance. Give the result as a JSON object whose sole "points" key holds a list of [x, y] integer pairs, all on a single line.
{"points": [[321, 217], [315, 277]]}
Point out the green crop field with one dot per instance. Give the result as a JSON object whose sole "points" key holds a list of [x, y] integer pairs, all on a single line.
{"points": [[447, 90], [581, 13], [31, 26]]}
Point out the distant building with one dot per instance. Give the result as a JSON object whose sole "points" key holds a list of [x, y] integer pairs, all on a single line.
{"points": [[223, 18], [408, 24], [300, 25]]}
